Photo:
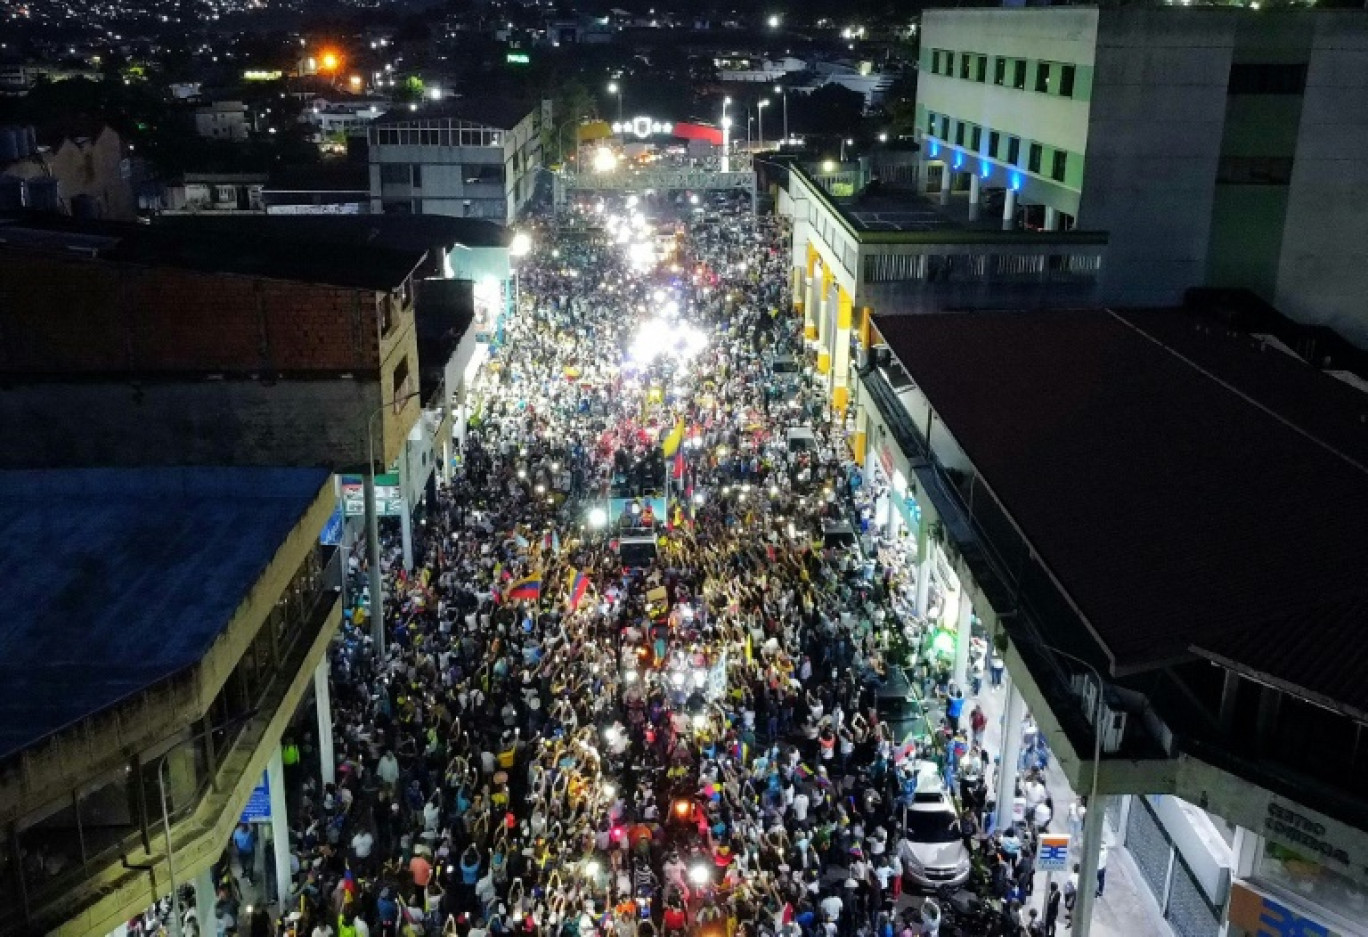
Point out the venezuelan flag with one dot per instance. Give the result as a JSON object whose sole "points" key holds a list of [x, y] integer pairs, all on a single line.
{"points": [[528, 587], [579, 585]]}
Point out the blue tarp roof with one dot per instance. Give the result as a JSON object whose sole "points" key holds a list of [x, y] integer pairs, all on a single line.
{"points": [[115, 579]]}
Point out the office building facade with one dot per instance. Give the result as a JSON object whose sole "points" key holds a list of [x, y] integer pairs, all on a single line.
{"points": [[459, 159], [1212, 144]]}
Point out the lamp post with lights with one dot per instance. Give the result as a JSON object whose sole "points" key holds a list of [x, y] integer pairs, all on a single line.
{"points": [[783, 93], [615, 88], [726, 135], [764, 103]]}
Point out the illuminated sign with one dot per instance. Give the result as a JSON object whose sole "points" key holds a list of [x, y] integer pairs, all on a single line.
{"points": [[1261, 916], [260, 75], [642, 127], [518, 58]]}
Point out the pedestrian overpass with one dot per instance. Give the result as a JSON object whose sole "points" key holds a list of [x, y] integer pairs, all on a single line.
{"points": [[659, 179]]}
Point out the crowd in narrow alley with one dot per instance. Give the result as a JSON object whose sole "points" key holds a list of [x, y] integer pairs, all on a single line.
{"points": [[635, 682]]}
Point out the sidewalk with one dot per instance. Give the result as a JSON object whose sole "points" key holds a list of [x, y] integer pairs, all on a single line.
{"points": [[1127, 907]]}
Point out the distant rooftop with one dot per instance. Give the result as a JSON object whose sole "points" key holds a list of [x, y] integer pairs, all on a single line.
{"points": [[881, 211], [497, 111], [121, 578], [1190, 492], [372, 252]]}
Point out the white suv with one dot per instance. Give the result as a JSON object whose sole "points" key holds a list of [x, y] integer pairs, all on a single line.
{"points": [[933, 854]]}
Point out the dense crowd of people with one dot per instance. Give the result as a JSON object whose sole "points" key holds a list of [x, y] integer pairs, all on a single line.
{"points": [[632, 683]]}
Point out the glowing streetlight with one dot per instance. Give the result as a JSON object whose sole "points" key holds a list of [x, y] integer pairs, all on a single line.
{"points": [[615, 88], [604, 160], [764, 103], [726, 135], [598, 518], [521, 245], [783, 93], [774, 21]]}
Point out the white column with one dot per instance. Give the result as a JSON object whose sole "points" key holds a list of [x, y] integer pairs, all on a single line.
{"points": [[810, 305], [1051, 218], [973, 196], [280, 826], [327, 761], [963, 632], [1009, 210], [1093, 826], [1011, 756], [924, 551], [405, 509], [947, 182], [206, 898]]}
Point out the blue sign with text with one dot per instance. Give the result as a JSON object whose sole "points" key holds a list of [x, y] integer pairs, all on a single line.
{"points": [[258, 809]]}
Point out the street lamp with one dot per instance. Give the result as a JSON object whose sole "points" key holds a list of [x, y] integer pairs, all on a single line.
{"points": [[615, 88], [774, 21], [783, 93], [845, 143], [764, 103], [521, 245], [726, 135], [377, 598]]}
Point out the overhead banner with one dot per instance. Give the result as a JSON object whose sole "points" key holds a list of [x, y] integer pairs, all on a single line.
{"points": [[389, 501]]}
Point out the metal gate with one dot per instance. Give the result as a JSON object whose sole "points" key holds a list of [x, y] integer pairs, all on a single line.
{"points": [[1180, 896]]}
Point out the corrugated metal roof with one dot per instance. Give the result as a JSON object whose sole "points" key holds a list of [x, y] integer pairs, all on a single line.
{"points": [[1173, 506], [117, 579]]}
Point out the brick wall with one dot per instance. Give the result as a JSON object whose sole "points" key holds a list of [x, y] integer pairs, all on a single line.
{"points": [[230, 422], [65, 315]]}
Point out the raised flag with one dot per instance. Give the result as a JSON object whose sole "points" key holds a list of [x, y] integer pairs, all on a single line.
{"points": [[579, 585], [675, 441], [528, 587]]}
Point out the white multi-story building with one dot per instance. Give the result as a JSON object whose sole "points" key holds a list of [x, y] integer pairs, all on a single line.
{"points": [[347, 117], [461, 158], [222, 120], [1216, 146]]}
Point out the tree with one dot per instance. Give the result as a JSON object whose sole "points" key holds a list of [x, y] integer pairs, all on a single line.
{"points": [[832, 109]]}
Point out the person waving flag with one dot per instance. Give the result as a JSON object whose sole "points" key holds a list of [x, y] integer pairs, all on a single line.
{"points": [[528, 587]]}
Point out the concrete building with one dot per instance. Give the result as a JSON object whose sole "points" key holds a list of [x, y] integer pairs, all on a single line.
{"points": [[1210, 143], [257, 340], [19, 78], [865, 243], [204, 342], [1159, 525], [349, 117], [467, 159], [166, 627], [214, 193], [223, 120], [83, 176]]}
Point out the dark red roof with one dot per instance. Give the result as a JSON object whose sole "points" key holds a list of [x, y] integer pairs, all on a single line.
{"points": [[1175, 504]]}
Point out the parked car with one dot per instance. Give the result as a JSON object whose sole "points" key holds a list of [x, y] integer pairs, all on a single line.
{"points": [[935, 856]]}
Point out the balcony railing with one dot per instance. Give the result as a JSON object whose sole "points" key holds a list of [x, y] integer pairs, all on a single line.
{"points": [[40, 903]]}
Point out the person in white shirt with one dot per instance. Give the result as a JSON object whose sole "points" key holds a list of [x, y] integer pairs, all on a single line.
{"points": [[388, 769], [831, 908], [800, 806]]}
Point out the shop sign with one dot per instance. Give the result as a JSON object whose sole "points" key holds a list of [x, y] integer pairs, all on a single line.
{"points": [[388, 500], [1332, 843], [1261, 916], [258, 809], [331, 535], [1054, 853]]}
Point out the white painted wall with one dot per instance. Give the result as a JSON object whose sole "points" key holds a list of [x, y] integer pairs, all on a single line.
{"points": [[1158, 111], [1056, 35], [1323, 268]]}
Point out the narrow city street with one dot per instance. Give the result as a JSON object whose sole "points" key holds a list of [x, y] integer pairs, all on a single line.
{"points": [[653, 670]]}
